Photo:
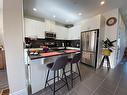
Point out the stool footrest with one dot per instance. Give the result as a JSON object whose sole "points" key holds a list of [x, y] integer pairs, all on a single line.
{"points": [[52, 78], [59, 87], [74, 77]]}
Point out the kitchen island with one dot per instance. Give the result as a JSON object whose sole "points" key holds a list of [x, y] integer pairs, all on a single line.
{"points": [[38, 70]]}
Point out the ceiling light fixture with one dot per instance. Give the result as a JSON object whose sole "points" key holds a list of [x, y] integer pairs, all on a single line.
{"points": [[34, 9], [80, 14], [54, 16], [102, 2]]}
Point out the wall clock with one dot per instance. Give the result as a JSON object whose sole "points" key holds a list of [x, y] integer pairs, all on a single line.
{"points": [[111, 21]]}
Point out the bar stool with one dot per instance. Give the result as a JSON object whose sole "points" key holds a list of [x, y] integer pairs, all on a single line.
{"points": [[74, 60], [60, 63]]}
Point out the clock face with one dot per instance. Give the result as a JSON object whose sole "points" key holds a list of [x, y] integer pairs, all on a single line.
{"points": [[111, 21]]}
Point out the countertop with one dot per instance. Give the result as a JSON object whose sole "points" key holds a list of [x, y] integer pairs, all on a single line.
{"points": [[53, 53]]}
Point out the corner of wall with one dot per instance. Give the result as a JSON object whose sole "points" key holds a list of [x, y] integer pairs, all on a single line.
{"points": [[20, 92]]}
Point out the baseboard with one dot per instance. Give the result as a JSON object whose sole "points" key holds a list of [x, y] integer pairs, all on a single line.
{"points": [[20, 92]]}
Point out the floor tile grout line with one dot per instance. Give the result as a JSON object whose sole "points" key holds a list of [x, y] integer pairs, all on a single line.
{"points": [[99, 85], [117, 85], [88, 79]]}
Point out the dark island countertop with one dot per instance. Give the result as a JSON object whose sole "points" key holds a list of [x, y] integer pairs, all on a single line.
{"points": [[52, 53]]}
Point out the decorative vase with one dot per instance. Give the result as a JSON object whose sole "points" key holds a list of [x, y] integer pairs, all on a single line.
{"points": [[106, 52]]}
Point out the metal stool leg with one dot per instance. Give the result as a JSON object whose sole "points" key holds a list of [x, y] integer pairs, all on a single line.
{"points": [[71, 76], [58, 75], [102, 62], [65, 78], [78, 71], [108, 62], [54, 83], [47, 78]]}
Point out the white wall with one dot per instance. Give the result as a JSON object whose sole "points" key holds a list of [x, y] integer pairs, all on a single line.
{"points": [[1, 22], [111, 32], [84, 25], [122, 38], [13, 37], [116, 32], [90, 23], [101, 37], [126, 34]]}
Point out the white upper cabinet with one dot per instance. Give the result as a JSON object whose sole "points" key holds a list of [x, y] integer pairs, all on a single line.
{"points": [[61, 32], [49, 25], [84, 25], [74, 32], [34, 28]]}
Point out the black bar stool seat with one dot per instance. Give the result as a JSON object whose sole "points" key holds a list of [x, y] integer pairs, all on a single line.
{"points": [[59, 64], [71, 61], [50, 65]]}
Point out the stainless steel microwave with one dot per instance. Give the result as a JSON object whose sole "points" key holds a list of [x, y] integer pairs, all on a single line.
{"points": [[51, 35]]}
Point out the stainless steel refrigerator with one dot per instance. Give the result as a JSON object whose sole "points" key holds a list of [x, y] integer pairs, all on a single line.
{"points": [[89, 47]]}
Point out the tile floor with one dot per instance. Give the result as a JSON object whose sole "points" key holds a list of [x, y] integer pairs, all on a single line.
{"points": [[3, 80], [99, 82]]}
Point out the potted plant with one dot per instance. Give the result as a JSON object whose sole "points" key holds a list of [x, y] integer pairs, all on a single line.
{"points": [[107, 49]]}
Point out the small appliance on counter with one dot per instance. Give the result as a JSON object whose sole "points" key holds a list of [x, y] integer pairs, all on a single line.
{"points": [[45, 49]]}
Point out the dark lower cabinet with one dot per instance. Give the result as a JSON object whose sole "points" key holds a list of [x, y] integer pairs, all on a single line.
{"points": [[52, 43]]}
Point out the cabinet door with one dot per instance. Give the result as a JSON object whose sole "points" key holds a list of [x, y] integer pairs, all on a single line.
{"points": [[61, 32], [34, 28], [74, 33], [49, 25]]}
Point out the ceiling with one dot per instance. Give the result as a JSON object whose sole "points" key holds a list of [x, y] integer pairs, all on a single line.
{"points": [[66, 11]]}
